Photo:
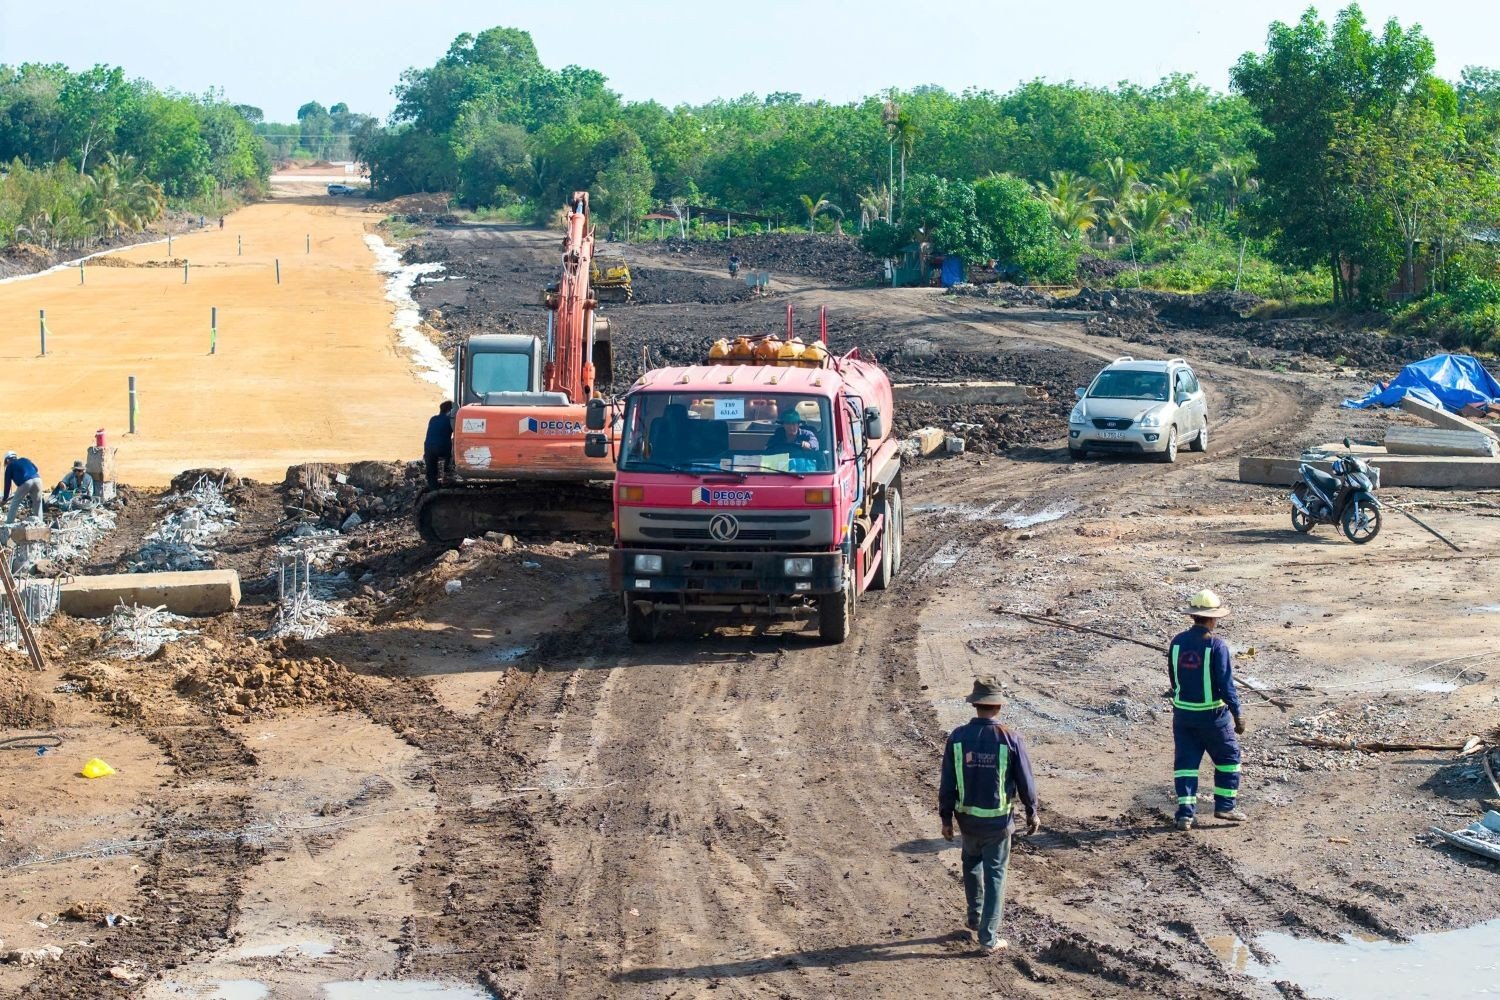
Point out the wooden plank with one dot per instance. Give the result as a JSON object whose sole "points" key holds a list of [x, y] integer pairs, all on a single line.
{"points": [[1403, 440], [1431, 472], [1444, 419]]}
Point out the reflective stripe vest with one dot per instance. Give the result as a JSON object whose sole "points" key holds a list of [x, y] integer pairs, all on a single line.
{"points": [[1183, 698], [963, 762]]}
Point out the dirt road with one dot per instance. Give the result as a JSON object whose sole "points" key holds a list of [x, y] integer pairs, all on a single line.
{"points": [[305, 370], [505, 794]]}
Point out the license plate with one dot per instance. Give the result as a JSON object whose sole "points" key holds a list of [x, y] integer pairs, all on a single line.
{"points": [[1112, 435]]}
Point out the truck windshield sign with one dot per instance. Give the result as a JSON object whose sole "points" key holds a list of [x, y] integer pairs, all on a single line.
{"points": [[722, 498], [729, 409]]}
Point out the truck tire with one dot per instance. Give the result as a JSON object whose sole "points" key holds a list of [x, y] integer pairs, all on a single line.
{"points": [[836, 613], [890, 545], [640, 626]]}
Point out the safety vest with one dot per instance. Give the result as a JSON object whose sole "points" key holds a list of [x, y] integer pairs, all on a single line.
{"points": [[1002, 768], [1180, 699]]}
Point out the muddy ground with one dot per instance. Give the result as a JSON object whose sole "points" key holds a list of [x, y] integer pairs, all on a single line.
{"points": [[487, 785]]}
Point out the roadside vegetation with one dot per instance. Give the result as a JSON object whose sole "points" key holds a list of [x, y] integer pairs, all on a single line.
{"points": [[88, 156]]}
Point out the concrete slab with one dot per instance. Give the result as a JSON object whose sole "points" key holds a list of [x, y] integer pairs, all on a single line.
{"points": [[1444, 419], [1403, 440], [199, 592], [1432, 472], [928, 440], [959, 392]]}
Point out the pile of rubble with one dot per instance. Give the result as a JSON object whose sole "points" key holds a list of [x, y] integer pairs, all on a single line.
{"points": [[320, 495], [39, 599], [240, 690], [136, 633], [303, 610], [196, 514]]}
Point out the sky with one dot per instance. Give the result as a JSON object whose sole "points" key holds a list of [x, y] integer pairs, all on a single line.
{"points": [[279, 54]]}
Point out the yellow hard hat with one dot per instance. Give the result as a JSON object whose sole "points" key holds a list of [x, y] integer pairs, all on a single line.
{"points": [[1206, 604]]}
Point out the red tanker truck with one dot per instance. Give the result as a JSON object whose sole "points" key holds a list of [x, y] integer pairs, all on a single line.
{"points": [[762, 483]]}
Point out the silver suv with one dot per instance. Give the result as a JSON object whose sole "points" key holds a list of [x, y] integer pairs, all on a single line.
{"points": [[1140, 407]]}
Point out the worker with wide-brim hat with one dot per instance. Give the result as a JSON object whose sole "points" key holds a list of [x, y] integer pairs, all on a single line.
{"points": [[985, 772], [1206, 716]]}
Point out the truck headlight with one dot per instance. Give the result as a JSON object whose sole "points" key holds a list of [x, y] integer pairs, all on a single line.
{"points": [[797, 567], [1077, 416], [648, 564]]}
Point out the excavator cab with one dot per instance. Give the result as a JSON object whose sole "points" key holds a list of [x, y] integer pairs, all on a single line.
{"points": [[502, 370]]}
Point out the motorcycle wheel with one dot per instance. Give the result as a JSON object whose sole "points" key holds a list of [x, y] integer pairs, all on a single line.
{"points": [[1301, 523], [1361, 523]]}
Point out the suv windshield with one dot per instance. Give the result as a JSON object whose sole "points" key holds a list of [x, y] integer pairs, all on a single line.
{"points": [[1129, 385], [747, 432]]}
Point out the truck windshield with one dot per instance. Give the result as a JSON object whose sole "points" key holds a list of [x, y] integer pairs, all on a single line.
{"points": [[494, 372], [1124, 384], [745, 432]]}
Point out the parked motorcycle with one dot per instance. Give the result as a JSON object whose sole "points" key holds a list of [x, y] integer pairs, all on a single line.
{"points": [[1345, 498]]}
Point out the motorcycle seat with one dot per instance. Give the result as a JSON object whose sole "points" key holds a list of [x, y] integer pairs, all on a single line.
{"points": [[1324, 483]]}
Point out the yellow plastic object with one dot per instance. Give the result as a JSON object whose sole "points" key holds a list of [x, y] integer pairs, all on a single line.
{"points": [[96, 768], [719, 351], [815, 356], [790, 350], [741, 348]]}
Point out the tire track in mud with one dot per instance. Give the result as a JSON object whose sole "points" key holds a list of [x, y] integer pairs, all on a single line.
{"points": [[192, 883]]}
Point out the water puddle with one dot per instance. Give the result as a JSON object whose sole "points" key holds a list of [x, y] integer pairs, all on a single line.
{"points": [[1437, 687], [431, 365], [1449, 965], [391, 989]]}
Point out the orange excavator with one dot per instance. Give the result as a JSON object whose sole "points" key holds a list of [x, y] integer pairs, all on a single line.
{"points": [[519, 463]]}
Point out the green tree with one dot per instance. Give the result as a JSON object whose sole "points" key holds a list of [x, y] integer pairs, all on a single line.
{"points": [[813, 206], [1019, 229]]}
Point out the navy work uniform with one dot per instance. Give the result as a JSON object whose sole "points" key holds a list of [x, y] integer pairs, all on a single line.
{"points": [[1205, 713]]}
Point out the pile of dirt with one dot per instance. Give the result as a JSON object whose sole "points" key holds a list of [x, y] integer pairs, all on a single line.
{"points": [[837, 260], [21, 706], [329, 496], [663, 286], [1004, 294], [27, 255], [422, 205], [259, 689], [1098, 269], [123, 262]]}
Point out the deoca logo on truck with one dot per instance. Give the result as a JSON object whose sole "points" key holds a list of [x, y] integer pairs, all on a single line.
{"points": [[531, 425]]}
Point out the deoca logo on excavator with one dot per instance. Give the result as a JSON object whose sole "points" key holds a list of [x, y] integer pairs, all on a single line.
{"points": [[531, 425]]}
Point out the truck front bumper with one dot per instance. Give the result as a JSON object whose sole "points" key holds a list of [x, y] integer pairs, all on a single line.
{"points": [[753, 582]]}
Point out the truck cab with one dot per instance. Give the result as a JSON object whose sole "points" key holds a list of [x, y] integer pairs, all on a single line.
{"points": [[755, 490]]}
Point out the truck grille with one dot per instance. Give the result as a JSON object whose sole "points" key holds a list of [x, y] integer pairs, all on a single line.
{"points": [[691, 527]]}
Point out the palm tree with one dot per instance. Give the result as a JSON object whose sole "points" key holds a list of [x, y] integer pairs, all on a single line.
{"points": [[873, 202], [813, 206], [1072, 201], [1232, 182], [904, 132], [1117, 179], [1150, 211]]}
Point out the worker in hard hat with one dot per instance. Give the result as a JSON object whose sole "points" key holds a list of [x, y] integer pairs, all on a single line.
{"points": [[1205, 712], [21, 475]]}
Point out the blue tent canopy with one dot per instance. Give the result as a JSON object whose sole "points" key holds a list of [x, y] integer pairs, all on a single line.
{"points": [[953, 270], [1452, 381]]}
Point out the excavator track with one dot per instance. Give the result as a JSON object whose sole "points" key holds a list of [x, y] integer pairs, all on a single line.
{"points": [[582, 511]]}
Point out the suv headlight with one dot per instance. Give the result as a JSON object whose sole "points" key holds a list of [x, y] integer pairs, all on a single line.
{"points": [[1152, 419], [797, 567], [1077, 416], [647, 564]]}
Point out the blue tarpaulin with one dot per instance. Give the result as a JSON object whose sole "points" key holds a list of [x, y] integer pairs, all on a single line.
{"points": [[953, 270], [1451, 381]]}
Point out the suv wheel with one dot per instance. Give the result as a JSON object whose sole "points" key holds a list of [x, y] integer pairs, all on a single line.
{"points": [[1200, 443], [1169, 453]]}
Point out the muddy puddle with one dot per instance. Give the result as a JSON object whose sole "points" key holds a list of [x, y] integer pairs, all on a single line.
{"points": [[1462, 964]]}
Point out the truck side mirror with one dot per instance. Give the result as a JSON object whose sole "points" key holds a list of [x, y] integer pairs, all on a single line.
{"points": [[1078, 393], [595, 446], [594, 415], [874, 423]]}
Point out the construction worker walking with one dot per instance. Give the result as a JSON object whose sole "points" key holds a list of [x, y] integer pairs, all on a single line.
{"points": [[21, 475], [985, 770], [1204, 701]]}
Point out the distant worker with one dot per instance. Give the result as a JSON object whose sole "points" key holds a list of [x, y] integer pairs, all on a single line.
{"points": [[985, 771], [202, 221], [437, 449], [21, 475], [734, 264], [1204, 702], [790, 435], [77, 483], [221, 222]]}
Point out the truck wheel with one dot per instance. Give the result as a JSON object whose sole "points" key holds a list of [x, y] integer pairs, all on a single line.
{"points": [[890, 545], [640, 626], [836, 613]]}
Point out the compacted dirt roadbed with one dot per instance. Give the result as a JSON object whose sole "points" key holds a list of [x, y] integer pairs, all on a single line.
{"points": [[495, 790]]}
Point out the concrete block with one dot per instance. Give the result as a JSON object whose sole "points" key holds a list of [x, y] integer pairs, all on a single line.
{"points": [[959, 392], [929, 440], [101, 465], [1444, 419], [1431, 472], [1402, 440], [30, 533], [198, 592]]}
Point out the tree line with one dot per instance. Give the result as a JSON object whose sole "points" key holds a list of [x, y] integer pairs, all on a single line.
{"points": [[85, 155]]}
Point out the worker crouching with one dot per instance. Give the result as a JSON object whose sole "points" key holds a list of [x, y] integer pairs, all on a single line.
{"points": [[985, 772], [1205, 712]]}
